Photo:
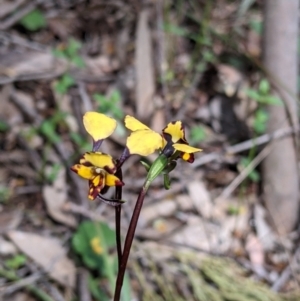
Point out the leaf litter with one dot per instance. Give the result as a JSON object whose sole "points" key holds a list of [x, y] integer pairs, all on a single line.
{"points": [[41, 136]]}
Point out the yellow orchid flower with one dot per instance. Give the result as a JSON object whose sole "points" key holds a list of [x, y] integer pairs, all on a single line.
{"points": [[98, 125], [99, 169], [174, 136], [142, 141]]}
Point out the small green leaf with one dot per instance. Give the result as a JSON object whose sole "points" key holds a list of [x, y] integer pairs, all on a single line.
{"points": [[260, 121], [47, 128], [72, 48], [264, 87], [197, 134], [253, 175], [54, 172], [96, 290], [33, 21], [64, 83], [175, 30], [256, 26], [78, 61], [3, 126], [16, 262], [251, 93]]}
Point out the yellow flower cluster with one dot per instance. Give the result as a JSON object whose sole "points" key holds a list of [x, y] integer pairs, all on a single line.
{"points": [[100, 168]]}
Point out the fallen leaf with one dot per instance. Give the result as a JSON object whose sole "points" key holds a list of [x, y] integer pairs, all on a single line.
{"points": [[162, 209], [201, 198], [48, 253], [6, 247], [255, 250], [55, 197], [145, 87]]}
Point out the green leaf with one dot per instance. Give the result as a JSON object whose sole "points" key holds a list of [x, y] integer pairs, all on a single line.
{"points": [[197, 134], [64, 83], [82, 243], [96, 290], [78, 61], [264, 87], [260, 121], [251, 93], [256, 26], [271, 100], [175, 30], [253, 175], [47, 128], [16, 262], [33, 21], [54, 172], [59, 53], [73, 48], [3, 126]]}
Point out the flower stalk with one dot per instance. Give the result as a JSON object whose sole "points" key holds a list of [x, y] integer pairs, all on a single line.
{"points": [[103, 171]]}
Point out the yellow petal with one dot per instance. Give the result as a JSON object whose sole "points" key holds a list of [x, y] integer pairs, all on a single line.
{"points": [[186, 148], [95, 185], [98, 125], [144, 142], [98, 181], [133, 124], [188, 157], [86, 172], [100, 160], [175, 130], [111, 180]]}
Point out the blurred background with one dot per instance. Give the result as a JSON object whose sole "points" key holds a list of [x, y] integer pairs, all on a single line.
{"points": [[227, 228]]}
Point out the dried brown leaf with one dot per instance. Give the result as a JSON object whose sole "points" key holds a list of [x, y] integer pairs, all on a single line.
{"points": [[55, 197], [48, 253]]}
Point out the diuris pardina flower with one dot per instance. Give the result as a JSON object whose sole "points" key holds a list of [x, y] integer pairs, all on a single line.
{"points": [[97, 167], [174, 138], [144, 141]]}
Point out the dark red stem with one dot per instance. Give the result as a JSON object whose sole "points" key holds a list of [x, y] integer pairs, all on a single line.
{"points": [[118, 196], [128, 242]]}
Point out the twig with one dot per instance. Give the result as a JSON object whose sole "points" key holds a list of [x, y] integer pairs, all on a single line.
{"points": [[84, 293], [11, 38], [241, 177], [18, 15], [287, 272], [86, 101], [10, 7], [49, 75], [11, 276], [246, 145]]}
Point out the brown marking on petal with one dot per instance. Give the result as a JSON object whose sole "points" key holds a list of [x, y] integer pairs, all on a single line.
{"points": [[187, 157], [119, 183], [74, 168], [93, 192], [111, 170]]}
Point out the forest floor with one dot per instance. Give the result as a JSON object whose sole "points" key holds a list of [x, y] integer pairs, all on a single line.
{"points": [[206, 238]]}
